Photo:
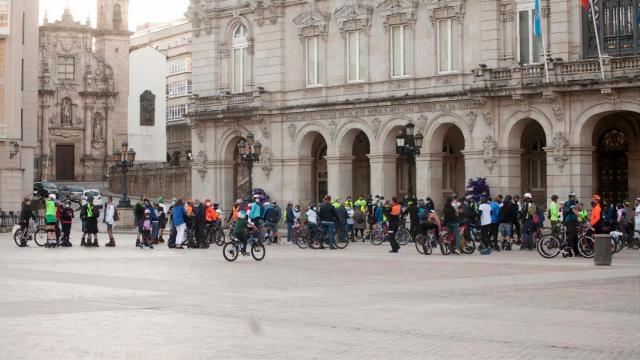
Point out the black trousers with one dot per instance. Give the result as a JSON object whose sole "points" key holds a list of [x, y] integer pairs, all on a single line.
{"points": [[66, 230], [393, 227], [485, 233], [494, 234], [572, 235]]}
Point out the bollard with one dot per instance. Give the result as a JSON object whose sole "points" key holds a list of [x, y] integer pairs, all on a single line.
{"points": [[602, 256]]}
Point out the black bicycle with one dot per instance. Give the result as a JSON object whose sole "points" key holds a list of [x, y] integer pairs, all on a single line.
{"points": [[215, 234], [231, 250], [33, 232]]}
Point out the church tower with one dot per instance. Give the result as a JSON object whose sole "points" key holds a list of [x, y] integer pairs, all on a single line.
{"points": [[112, 46]]}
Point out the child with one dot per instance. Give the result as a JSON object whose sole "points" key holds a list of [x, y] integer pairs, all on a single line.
{"points": [[26, 214], [241, 230], [66, 218], [145, 229]]}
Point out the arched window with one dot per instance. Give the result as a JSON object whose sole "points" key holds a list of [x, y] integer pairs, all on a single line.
{"points": [[239, 59]]}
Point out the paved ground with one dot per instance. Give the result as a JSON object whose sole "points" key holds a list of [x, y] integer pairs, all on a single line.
{"points": [[359, 303]]}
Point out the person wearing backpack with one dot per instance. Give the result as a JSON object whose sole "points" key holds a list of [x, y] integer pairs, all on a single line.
{"points": [[360, 220], [111, 216], [528, 215], [272, 216]]}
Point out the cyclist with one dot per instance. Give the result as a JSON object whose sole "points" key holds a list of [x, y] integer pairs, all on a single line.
{"points": [[596, 214], [26, 214], [451, 221], [328, 217], [50, 216], [311, 217], [241, 229], [554, 214], [571, 212], [528, 224], [395, 213], [272, 216]]}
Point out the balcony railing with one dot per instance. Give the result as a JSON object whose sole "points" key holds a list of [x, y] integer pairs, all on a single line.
{"points": [[226, 102], [559, 72]]}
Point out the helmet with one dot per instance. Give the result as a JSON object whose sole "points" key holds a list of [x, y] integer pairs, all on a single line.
{"points": [[90, 199], [571, 194], [160, 200], [528, 196], [242, 215], [52, 196]]}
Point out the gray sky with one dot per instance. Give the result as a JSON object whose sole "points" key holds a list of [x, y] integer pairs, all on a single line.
{"points": [[140, 11]]}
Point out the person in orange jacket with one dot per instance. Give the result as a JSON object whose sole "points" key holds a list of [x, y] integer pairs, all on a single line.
{"points": [[211, 215], [596, 213]]}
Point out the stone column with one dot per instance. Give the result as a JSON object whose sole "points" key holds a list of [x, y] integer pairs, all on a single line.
{"points": [[429, 177], [509, 164], [340, 173], [383, 174], [580, 173], [298, 188], [218, 182], [634, 174]]}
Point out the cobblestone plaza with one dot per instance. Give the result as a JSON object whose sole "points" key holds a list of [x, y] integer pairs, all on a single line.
{"points": [[358, 303]]}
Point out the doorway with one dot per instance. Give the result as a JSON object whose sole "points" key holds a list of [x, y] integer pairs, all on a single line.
{"points": [[65, 162]]}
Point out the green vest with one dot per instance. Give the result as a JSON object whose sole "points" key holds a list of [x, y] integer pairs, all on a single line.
{"points": [[50, 208], [89, 210]]}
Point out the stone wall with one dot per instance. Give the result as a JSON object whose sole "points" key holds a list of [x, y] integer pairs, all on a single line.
{"points": [[154, 180]]}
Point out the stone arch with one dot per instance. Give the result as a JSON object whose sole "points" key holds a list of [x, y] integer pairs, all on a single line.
{"points": [[303, 141], [439, 127], [234, 23], [347, 133], [386, 143], [228, 142], [586, 122], [516, 124]]}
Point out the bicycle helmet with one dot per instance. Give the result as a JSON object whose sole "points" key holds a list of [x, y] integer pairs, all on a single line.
{"points": [[90, 199], [52, 196], [242, 215]]}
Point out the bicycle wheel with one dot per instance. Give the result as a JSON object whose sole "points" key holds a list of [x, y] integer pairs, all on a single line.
{"points": [[377, 236], [17, 237], [549, 246], [218, 237], [445, 247], [403, 236], [428, 245], [635, 242], [342, 242], [302, 238], [619, 243], [586, 246], [258, 251], [40, 237], [230, 252], [419, 241], [469, 245]]}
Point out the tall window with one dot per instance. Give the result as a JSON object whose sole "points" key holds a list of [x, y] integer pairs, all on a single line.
{"points": [[618, 23], [355, 56], [530, 46], [314, 55], [448, 46], [398, 51], [179, 65], [239, 59], [66, 68]]}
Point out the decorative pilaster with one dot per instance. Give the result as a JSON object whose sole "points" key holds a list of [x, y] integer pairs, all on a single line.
{"points": [[429, 177], [383, 174], [340, 172]]}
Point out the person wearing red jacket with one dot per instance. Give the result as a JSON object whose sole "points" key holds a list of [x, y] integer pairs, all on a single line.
{"points": [[596, 213]]}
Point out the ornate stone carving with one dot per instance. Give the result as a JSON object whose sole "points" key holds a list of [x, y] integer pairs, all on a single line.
{"points": [[506, 12], [353, 15], [333, 127], [292, 131], [197, 14], [266, 156], [267, 11], [198, 129], [375, 125], [422, 123], [558, 110], [560, 150], [445, 9], [613, 101], [312, 21], [489, 155], [487, 116], [264, 126], [470, 119], [200, 163], [66, 113], [147, 108], [98, 132], [398, 12]]}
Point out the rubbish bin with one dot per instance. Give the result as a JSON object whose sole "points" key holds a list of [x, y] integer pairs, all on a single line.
{"points": [[602, 251]]}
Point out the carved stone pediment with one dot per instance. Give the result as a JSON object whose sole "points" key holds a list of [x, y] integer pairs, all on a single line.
{"points": [[312, 21], [445, 9], [353, 15], [197, 13], [398, 12], [267, 11]]}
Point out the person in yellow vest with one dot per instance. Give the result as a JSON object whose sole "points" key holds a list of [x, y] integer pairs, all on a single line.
{"points": [[50, 211]]}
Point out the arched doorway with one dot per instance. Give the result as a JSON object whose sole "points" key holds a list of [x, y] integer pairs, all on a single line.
{"points": [[533, 161], [361, 166], [320, 174], [453, 169]]}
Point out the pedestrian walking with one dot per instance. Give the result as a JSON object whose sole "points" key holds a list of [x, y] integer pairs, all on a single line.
{"points": [[111, 216]]}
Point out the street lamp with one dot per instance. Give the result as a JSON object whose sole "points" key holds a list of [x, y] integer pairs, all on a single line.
{"points": [[249, 151], [124, 158], [409, 144]]}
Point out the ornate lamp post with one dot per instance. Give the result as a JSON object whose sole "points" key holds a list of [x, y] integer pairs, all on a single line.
{"points": [[250, 151], [124, 159], [409, 144]]}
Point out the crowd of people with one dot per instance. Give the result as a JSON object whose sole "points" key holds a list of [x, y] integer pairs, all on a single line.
{"points": [[501, 220]]}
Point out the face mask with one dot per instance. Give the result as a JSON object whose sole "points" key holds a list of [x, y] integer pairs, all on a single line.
{"points": [[27, 204], [66, 206], [593, 203]]}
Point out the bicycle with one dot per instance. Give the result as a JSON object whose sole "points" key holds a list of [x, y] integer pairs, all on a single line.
{"points": [[549, 246], [215, 234], [231, 250], [424, 242], [448, 240], [33, 232], [403, 236], [376, 235]]}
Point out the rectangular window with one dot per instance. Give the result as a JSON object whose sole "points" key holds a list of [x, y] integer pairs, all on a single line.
{"points": [[66, 68], [179, 65], [354, 56], [398, 51], [176, 112], [448, 46], [530, 46], [312, 63], [239, 55], [179, 88]]}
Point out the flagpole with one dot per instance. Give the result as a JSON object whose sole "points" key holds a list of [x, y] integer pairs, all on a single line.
{"points": [[544, 48], [595, 30]]}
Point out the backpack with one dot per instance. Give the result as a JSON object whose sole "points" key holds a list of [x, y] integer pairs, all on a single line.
{"points": [[538, 217], [359, 218]]}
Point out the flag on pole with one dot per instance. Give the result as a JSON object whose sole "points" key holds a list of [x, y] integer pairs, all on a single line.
{"points": [[585, 4], [537, 24]]}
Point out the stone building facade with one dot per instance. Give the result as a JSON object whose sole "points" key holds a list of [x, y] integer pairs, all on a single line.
{"points": [[326, 86], [173, 39], [18, 99], [83, 93]]}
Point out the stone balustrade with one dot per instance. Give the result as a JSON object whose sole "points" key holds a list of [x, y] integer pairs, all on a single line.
{"points": [[208, 104]]}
